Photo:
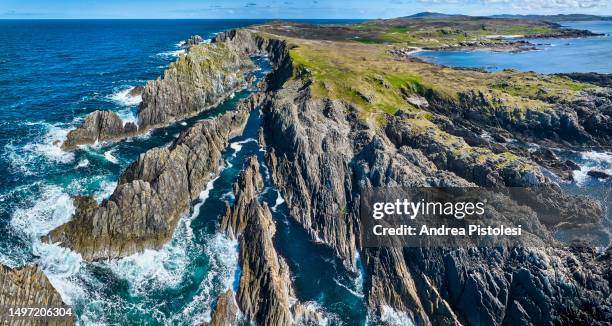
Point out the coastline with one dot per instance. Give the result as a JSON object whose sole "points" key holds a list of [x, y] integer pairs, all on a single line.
{"points": [[429, 141]]}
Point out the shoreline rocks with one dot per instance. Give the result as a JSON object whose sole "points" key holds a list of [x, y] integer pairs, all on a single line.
{"points": [[193, 40], [29, 287], [598, 174], [265, 294], [136, 91], [99, 126], [152, 193], [265, 286], [428, 286], [194, 83]]}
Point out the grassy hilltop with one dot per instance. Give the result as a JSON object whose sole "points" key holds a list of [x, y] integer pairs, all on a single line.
{"points": [[369, 75]]}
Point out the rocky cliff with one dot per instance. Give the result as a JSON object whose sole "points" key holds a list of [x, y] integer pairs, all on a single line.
{"points": [[195, 82], [323, 156], [152, 193], [29, 287], [265, 294]]}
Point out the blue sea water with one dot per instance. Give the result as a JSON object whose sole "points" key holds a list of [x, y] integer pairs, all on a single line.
{"points": [[54, 72], [591, 54]]}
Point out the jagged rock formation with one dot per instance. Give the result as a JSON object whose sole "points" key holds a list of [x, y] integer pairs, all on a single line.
{"points": [[265, 292], [99, 126], [29, 287], [197, 81], [226, 311], [322, 157], [193, 83], [604, 80], [152, 193], [136, 91], [252, 43], [265, 286], [192, 41]]}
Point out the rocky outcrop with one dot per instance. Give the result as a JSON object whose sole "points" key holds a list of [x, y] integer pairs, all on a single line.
{"points": [[136, 91], [226, 311], [191, 41], [28, 287], [265, 286], [152, 193], [251, 42], [310, 163], [598, 174], [195, 82], [603, 80], [584, 121], [99, 126], [322, 158], [265, 293]]}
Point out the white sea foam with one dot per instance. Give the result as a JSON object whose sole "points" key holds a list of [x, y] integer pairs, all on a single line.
{"points": [[122, 97], [223, 260], [25, 159], [171, 54], [108, 155], [353, 292], [237, 146], [106, 189], [82, 163], [53, 209], [360, 279], [390, 316], [600, 161], [279, 201]]}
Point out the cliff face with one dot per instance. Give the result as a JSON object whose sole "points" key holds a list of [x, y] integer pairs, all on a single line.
{"points": [[265, 292], [152, 193], [250, 42], [29, 287], [193, 83], [198, 80], [322, 158]]}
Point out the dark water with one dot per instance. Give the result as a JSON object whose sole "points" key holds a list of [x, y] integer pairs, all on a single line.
{"points": [[592, 54], [52, 73]]}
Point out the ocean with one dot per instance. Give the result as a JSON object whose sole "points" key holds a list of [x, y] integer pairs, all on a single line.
{"points": [[52, 74], [554, 55]]}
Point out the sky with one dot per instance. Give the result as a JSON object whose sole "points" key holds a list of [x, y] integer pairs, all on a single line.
{"points": [[292, 9]]}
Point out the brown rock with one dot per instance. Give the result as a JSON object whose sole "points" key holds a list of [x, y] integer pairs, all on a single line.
{"points": [[98, 126], [152, 194], [28, 287], [226, 311]]}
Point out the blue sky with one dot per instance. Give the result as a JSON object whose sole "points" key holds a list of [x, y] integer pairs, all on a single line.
{"points": [[32, 9]]}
